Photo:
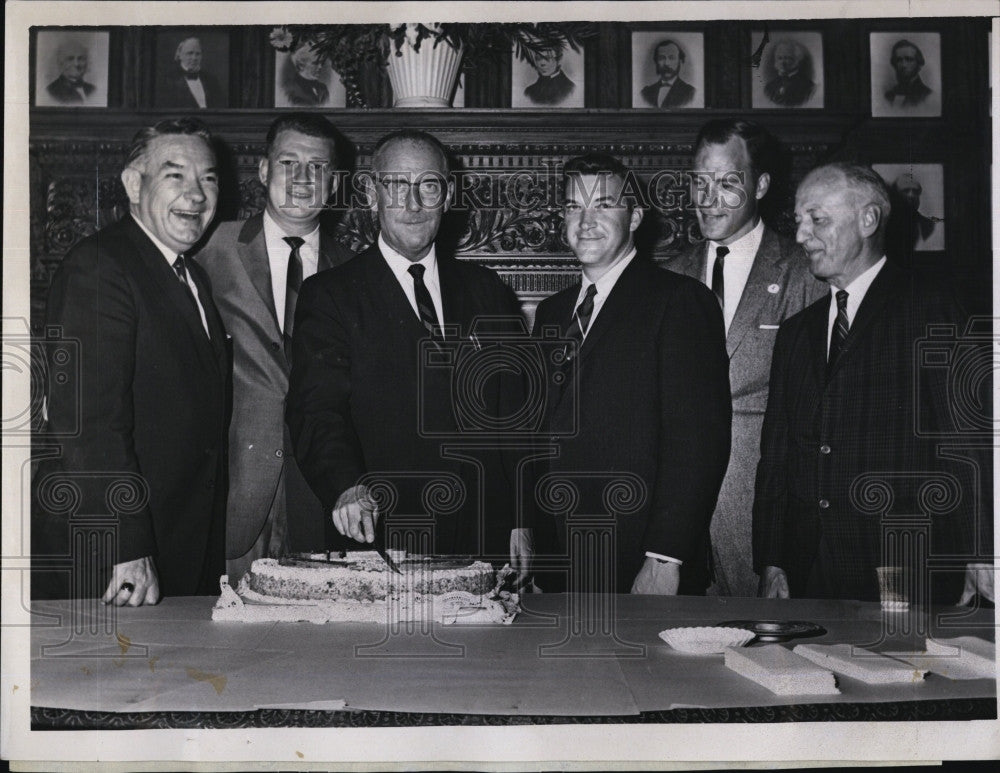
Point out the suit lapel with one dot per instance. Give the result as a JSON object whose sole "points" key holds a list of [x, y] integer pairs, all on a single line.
{"points": [[389, 293], [616, 307], [817, 326], [755, 297], [176, 295], [869, 310], [453, 296], [324, 259], [252, 250]]}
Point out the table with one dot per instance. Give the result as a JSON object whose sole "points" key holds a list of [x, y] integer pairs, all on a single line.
{"points": [[583, 660]]}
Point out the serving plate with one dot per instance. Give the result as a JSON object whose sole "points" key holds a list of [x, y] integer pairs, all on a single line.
{"points": [[777, 630]]}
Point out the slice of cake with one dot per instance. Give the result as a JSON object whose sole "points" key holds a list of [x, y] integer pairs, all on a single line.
{"points": [[780, 671], [857, 663]]}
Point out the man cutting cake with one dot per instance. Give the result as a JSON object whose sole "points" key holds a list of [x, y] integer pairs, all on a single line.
{"points": [[372, 406]]}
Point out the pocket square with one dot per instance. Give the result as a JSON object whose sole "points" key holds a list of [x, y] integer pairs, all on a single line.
{"points": [[769, 327]]}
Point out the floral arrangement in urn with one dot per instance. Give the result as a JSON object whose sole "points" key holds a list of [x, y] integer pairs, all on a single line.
{"points": [[441, 45]]}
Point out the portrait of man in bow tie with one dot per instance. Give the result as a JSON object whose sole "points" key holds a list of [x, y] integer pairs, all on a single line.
{"points": [[668, 69], [906, 74], [305, 80], [187, 81], [791, 71], [71, 68]]}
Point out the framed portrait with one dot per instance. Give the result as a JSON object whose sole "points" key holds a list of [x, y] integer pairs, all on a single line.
{"points": [[916, 193], [302, 80], [668, 69], [191, 69], [790, 74], [906, 74], [71, 68], [549, 79]]}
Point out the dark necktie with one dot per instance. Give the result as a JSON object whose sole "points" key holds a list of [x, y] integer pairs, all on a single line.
{"points": [[718, 280], [180, 266], [425, 306], [841, 327], [581, 317], [293, 282]]}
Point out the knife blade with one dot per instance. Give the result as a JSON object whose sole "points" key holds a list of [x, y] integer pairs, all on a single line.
{"points": [[380, 545]]}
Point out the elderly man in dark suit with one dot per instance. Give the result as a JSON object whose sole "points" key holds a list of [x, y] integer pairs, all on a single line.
{"points": [[650, 390], [671, 90], [792, 84], [257, 267], [553, 86], [187, 85], [910, 89], [760, 278], [854, 417], [377, 345], [70, 87], [151, 398]]}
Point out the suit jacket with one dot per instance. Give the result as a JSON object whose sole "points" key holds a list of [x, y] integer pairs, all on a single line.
{"points": [[304, 91], [649, 398], [790, 90], [174, 92], [370, 394], [150, 398], [63, 91], [680, 94], [842, 458], [260, 449], [913, 93], [779, 285], [550, 91]]}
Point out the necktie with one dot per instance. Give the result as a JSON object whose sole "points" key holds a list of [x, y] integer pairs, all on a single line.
{"points": [[581, 317], [841, 327], [180, 266], [293, 282], [718, 280], [425, 306]]}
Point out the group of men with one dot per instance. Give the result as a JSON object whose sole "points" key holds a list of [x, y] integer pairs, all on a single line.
{"points": [[264, 391]]}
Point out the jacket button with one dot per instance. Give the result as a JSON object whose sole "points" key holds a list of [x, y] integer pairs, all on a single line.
{"points": [[210, 484], [824, 449], [279, 453], [275, 346], [824, 504]]}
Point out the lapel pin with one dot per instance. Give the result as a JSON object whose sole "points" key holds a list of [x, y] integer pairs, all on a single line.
{"points": [[773, 289]]}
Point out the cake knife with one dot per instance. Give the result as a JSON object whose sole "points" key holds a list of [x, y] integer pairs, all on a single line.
{"points": [[380, 547]]}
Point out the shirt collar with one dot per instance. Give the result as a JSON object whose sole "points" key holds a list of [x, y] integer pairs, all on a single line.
{"points": [[400, 264], [857, 289], [744, 247], [169, 254], [607, 282], [273, 233]]}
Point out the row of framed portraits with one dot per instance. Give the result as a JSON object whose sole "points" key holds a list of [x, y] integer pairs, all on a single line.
{"points": [[667, 72]]}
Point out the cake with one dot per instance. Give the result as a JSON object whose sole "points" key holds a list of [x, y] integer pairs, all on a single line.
{"points": [[780, 671], [360, 586]]}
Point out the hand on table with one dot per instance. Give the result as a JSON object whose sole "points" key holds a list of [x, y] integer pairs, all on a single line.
{"points": [[978, 579], [134, 583], [658, 578], [356, 514], [773, 584]]}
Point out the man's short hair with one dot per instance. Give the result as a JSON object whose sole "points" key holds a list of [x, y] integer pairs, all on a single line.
{"points": [[762, 147], [170, 126], [416, 137], [599, 164], [903, 178], [70, 44], [177, 51], [310, 124], [798, 49], [669, 42], [904, 43], [864, 180]]}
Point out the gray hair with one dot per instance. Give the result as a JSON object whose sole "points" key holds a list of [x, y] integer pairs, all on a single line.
{"points": [[142, 139]]}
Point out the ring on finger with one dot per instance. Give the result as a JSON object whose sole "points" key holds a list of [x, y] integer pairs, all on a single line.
{"points": [[127, 586]]}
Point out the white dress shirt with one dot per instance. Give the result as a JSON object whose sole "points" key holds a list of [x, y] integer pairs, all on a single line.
{"points": [[400, 266], [604, 287], [278, 254], [735, 268], [197, 89], [171, 256], [661, 93], [856, 292]]}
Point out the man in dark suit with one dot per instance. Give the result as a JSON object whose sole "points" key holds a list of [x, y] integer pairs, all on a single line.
{"points": [[650, 389], [377, 344], [187, 85], [670, 90], [151, 394], [792, 84], [257, 267], [761, 279], [910, 90], [301, 78], [854, 417], [553, 86], [70, 87]]}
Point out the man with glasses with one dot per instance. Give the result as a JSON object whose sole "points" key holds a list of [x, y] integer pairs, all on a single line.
{"points": [[366, 403]]}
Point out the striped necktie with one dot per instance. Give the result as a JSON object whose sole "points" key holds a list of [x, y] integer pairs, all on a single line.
{"points": [[841, 327], [581, 317], [425, 306]]}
